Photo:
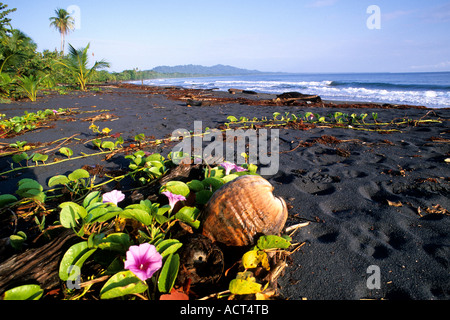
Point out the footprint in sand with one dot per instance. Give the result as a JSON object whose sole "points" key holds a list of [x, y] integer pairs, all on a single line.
{"points": [[315, 183]]}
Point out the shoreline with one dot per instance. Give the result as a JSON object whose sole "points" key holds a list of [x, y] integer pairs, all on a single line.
{"points": [[269, 96], [339, 86], [372, 198]]}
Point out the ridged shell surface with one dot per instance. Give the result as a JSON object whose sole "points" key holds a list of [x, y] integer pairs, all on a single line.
{"points": [[242, 208]]}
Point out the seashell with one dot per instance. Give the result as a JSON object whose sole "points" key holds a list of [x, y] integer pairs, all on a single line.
{"points": [[241, 209]]}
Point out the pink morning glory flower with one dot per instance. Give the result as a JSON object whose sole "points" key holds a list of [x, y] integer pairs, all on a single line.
{"points": [[239, 169], [173, 198], [231, 166], [143, 260], [227, 166], [113, 197]]}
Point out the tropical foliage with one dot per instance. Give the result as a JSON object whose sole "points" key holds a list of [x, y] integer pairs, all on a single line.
{"points": [[76, 64], [4, 21], [24, 72], [30, 85]]}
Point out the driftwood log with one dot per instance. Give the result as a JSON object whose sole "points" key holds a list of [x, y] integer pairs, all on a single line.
{"points": [[289, 98], [37, 265]]}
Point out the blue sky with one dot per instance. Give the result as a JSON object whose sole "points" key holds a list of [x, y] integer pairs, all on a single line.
{"points": [[281, 35]]}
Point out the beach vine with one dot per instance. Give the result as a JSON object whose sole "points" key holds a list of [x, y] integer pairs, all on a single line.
{"points": [[113, 232], [309, 120]]}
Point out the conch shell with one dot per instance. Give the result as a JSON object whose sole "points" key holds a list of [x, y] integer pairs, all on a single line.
{"points": [[241, 209]]}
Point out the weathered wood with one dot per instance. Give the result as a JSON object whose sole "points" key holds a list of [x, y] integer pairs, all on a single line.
{"points": [[37, 265], [289, 98]]}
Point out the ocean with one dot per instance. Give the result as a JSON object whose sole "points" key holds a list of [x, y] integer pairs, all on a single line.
{"points": [[425, 89]]}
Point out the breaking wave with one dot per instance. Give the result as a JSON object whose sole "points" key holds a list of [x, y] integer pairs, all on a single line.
{"points": [[410, 90]]}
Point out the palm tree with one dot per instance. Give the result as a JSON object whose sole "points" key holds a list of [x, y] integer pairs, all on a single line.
{"points": [[64, 23], [76, 63], [15, 49]]}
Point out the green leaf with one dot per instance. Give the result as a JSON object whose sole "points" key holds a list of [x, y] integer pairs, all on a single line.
{"points": [[96, 213], [40, 157], [122, 284], [78, 174], [157, 172], [162, 210], [176, 187], [66, 151], [137, 214], [91, 198], [97, 143], [58, 179], [169, 273], [19, 157], [168, 246], [242, 286], [252, 168], [116, 242], [70, 214], [195, 185], [216, 172], [232, 119], [26, 184], [75, 256], [17, 240], [25, 292], [189, 215], [139, 137], [229, 177], [275, 115], [214, 183], [251, 259], [272, 242], [203, 196], [29, 188], [155, 157], [108, 145], [6, 199]]}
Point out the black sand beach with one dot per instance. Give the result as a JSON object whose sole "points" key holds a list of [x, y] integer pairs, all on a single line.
{"points": [[372, 198]]}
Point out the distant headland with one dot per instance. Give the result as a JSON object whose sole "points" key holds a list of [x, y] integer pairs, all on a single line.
{"points": [[218, 69]]}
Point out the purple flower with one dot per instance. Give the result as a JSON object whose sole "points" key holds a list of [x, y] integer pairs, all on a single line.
{"points": [[228, 166], [239, 169], [143, 260], [231, 166], [173, 198], [54, 112], [113, 197]]}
